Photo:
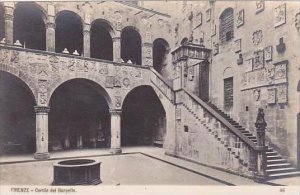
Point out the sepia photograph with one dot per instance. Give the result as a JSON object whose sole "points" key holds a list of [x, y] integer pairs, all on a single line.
{"points": [[150, 97]]}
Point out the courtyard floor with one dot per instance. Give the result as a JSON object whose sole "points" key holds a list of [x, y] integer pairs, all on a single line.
{"points": [[136, 166]]}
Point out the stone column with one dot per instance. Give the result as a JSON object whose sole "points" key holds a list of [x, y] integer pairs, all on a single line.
{"points": [[117, 49], [147, 58], [41, 132], [50, 36], [115, 120], [50, 28], [9, 22], [86, 40]]}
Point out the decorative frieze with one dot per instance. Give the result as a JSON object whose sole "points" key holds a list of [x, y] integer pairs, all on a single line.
{"points": [[42, 92], [270, 75], [280, 15], [240, 18], [118, 101], [126, 82], [257, 37]]}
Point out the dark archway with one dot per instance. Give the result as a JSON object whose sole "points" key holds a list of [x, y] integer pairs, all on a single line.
{"points": [[143, 118], [29, 26], [101, 41], [160, 52], [79, 116], [17, 117], [131, 47], [2, 23], [68, 32]]}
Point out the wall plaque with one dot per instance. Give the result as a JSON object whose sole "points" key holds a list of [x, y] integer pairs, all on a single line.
{"points": [[280, 15], [240, 18], [258, 59], [268, 53]]}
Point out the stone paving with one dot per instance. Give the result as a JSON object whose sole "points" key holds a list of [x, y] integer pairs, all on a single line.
{"points": [[137, 166]]}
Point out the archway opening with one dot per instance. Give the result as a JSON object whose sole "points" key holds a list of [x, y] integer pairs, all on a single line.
{"points": [[131, 46], [2, 23], [17, 117], [143, 118], [160, 52], [101, 41], [79, 116], [68, 32], [29, 26]]}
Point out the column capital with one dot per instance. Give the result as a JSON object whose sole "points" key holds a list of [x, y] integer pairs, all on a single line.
{"points": [[148, 44], [8, 17], [115, 111], [115, 39], [42, 109], [50, 25]]}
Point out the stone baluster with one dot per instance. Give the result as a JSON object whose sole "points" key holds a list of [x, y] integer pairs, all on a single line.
{"points": [[115, 118], [9, 22], [41, 132]]}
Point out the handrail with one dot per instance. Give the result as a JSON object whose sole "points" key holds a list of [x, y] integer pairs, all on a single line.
{"points": [[167, 82], [223, 120]]}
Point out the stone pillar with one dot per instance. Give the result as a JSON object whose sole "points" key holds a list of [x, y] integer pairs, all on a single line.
{"points": [[41, 132], [147, 58], [115, 119], [117, 49], [50, 29], [86, 40], [50, 36], [9, 22]]}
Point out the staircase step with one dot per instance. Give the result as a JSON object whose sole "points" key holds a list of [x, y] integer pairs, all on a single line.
{"points": [[271, 153], [278, 165], [274, 157], [276, 161], [283, 175], [281, 170]]}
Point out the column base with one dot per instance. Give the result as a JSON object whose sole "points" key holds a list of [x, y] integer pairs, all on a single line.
{"points": [[42, 156], [115, 150]]}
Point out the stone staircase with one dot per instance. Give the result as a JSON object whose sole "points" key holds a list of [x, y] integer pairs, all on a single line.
{"points": [[277, 166]]}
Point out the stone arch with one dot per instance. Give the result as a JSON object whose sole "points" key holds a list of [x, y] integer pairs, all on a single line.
{"points": [[101, 44], [144, 117], [101, 90], [17, 115], [161, 50], [69, 22], [30, 25], [106, 24], [184, 41], [131, 45], [226, 25], [38, 6], [79, 111], [228, 72], [25, 79]]}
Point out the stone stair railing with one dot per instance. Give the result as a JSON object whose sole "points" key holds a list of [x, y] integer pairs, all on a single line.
{"points": [[162, 84]]}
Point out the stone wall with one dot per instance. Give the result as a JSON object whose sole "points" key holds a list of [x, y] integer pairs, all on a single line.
{"points": [[263, 59]]}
